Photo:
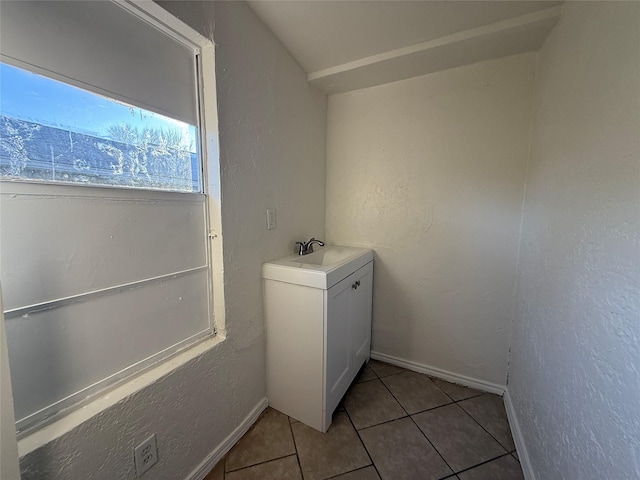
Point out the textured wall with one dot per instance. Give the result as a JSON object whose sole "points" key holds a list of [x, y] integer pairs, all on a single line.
{"points": [[272, 136], [429, 172], [574, 375], [9, 467]]}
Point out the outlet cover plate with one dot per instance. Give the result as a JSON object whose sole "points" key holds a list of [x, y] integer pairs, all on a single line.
{"points": [[146, 455], [271, 218]]}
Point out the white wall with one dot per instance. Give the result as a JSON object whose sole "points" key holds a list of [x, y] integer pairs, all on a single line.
{"points": [[272, 136], [9, 467], [574, 377], [429, 172]]}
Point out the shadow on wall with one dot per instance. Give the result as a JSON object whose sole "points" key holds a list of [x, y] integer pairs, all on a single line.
{"points": [[396, 334]]}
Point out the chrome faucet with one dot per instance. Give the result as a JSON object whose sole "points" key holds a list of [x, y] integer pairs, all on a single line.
{"points": [[305, 248]]}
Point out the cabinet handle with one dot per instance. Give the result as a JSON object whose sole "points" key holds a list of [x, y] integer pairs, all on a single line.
{"points": [[356, 285]]}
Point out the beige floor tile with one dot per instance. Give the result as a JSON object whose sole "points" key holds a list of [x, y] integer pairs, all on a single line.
{"points": [[370, 403], [217, 473], [382, 369], [365, 375], [415, 391], [324, 455], [281, 469], [367, 473], [268, 439], [457, 392], [458, 438], [503, 468], [399, 451], [488, 410]]}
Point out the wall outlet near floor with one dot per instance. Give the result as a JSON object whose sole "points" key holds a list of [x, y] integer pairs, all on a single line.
{"points": [[146, 455], [271, 218]]}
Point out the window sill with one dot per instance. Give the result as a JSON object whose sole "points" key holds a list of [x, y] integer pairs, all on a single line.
{"points": [[73, 419]]}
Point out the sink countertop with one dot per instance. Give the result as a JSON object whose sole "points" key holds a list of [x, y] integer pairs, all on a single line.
{"points": [[321, 269]]}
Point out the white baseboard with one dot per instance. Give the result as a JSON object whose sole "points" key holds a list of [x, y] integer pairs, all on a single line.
{"points": [[443, 374], [518, 439], [221, 450]]}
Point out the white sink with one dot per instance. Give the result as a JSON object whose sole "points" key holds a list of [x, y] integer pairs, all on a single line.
{"points": [[321, 269]]}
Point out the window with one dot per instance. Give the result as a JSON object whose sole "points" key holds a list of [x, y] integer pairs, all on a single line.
{"points": [[105, 215], [54, 132]]}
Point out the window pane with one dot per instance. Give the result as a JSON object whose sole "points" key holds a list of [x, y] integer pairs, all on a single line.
{"points": [[54, 132]]}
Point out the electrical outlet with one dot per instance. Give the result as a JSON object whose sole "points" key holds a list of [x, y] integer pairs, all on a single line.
{"points": [[146, 455], [271, 218]]}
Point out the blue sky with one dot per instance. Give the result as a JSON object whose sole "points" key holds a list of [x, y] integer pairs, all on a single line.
{"points": [[36, 98]]}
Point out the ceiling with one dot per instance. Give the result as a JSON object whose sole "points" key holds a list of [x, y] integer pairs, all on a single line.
{"points": [[346, 45]]}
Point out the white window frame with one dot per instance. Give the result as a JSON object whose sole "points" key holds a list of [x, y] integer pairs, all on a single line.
{"points": [[210, 179]]}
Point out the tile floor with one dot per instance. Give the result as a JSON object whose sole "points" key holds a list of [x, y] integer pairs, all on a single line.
{"points": [[392, 424]]}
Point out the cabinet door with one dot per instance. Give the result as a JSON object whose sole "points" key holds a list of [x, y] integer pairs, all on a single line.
{"points": [[338, 347], [361, 298]]}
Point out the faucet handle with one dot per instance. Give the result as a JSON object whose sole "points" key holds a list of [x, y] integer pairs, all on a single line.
{"points": [[307, 247]]}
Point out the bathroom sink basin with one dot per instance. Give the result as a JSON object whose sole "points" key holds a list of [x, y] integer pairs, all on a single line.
{"points": [[321, 269]]}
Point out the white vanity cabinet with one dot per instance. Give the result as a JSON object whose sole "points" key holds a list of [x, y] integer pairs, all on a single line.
{"points": [[318, 330]]}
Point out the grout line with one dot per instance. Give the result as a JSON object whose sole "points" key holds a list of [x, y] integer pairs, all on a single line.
{"points": [[260, 463], [482, 463], [416, 425], [434, 447], [490, 434], [381, 423], [295, 446], [351, 471], [479, 394], [365, 381], [374, 372], [453, 475], [456, 384], [482, 394], [453, 402], [386, 421], [392, 374], [494, 438], [434, 408], [436, 385], [394, 397], [362, 443], [385, 363]]}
